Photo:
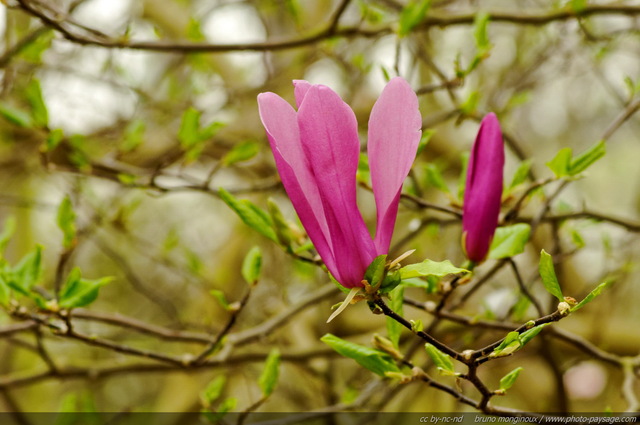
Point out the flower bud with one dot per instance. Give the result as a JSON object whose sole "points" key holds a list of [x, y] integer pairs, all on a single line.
{"points": [[483, 190]]}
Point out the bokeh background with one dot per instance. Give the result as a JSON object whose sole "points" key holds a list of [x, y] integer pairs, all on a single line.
{"points": [[95, 95]]}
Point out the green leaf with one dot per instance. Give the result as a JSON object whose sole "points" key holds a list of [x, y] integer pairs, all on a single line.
{"points": [[280, 225], [430, 268], [252, 265], [470, 105], [509, 345], [209, 131], [39, 113], [509, 379], [78, 292], [33, 51], [481, 34], [241, 152], [5, 290], [15, 116], [435, 179], [584, 160], [509, 241], [220, 297], [363, 174], [27, 272], [213, 390], [133, 136], [375, 271], [577, 6], [269, 377], [7, 232], [441, 360], [394, 329], [561, 163], [521, 174], [53, 139], [66, 222], [390, 282], [424, 140], [528, 335], [250, 214], [189, 133], [373, 360], [548, 275], [597, 291], [412, 14]]}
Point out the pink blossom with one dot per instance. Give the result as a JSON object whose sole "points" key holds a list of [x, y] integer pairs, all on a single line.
{"points": [[483, 190], [316, 151]]}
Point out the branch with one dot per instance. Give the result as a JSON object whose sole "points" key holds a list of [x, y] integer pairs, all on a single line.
{"points": [[95, 38]]}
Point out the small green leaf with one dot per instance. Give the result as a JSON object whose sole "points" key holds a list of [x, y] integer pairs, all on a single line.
{"points": [[133, 136], [213, 390], [250, 214], [528, 335], [269, 377], [280, 225], [33, 51], [584, 160], [78, 292], [424, 140], [5, 290], [66, 222], [509, 379], [597, 291], [435, 179], [481, 33], [373, 360], [39, 113], [561, 163], [362, 174], [390, 282], [241, 152], [416, 325], [441, 360], [376, 269], [411, 16], [577, 5], [394, 329], [189, 133], [27, 272], [430, 268], [252, 265], [471, 104], [15, 116], [548, 275], [53, 139], [7, 232], [521, 174], [511, 340], [220, 297], [509, 241]]}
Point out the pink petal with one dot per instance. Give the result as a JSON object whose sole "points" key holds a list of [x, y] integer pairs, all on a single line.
{"points": [[394, 133], [280, 121], [328, 130], [301, 87]]}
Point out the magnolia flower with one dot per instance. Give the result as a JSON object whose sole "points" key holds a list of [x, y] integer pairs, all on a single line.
{"points": [[483, 191], [316, 151]]}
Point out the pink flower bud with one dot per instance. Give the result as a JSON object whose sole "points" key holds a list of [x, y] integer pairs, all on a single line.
{"points": [[483, 191]]}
